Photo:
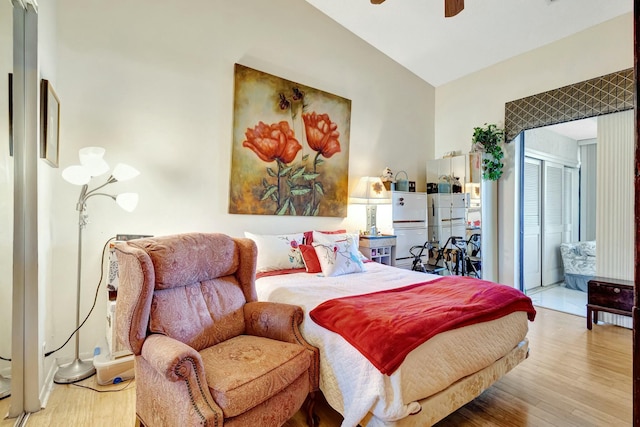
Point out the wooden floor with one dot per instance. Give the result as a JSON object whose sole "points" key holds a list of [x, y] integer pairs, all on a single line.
{"points": [[573, 377]]}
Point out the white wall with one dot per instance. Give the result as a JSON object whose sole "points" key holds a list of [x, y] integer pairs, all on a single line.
{"points": [[47, 175], [153, 84], [480, 98]]}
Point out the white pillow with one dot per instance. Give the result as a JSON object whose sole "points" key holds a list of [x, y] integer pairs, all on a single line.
{"points": [[329, 238], [277, 251], [338, 256]]}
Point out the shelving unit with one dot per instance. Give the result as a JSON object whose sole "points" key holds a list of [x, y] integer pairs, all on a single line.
{"points": [[380, 249]]}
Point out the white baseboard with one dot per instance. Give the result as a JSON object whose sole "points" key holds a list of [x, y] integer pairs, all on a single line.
{"points": [[616, 319]]}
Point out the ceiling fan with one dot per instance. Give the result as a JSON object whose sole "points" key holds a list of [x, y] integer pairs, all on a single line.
{"points": [[451, 7]]}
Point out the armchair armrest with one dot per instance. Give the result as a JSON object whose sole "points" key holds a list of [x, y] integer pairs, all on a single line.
{"points": [[281, 322], [180, 372]]}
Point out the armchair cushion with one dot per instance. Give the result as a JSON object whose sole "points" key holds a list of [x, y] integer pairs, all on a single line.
{"points": [[201, 314], [245, 371]]}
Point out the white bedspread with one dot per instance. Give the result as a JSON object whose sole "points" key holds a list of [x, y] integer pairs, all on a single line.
{"points": [[350, 383]]}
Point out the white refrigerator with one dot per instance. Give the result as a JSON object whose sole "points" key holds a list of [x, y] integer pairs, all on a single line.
{"points": [[447, 216], [408, 223]]}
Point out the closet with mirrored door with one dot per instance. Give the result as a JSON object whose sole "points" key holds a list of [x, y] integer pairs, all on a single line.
{"points": [[6, 201], [20, 355]]}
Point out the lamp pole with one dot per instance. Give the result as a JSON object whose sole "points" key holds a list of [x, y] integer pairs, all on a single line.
{"points": [[78, 369]]}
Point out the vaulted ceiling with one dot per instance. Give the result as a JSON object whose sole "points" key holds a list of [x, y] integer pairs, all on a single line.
{"points": [[416, 34]]}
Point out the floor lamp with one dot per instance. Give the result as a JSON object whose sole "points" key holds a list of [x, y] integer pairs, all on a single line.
{"points": [[91, 165], [370, 191]]}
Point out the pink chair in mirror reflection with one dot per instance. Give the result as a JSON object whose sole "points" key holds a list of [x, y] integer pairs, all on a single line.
{"points": [[579, 261]]}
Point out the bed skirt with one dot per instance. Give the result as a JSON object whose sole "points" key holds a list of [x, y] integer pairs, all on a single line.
{"points": [[439, 405], [577, 281]]}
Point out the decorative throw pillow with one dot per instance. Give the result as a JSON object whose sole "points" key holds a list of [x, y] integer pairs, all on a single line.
{"points": [[339, 257], [277, 251], [311, 262], [329, 237]]}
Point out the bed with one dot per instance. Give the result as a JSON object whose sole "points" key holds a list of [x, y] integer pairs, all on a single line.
{"points": [[436, 378]]}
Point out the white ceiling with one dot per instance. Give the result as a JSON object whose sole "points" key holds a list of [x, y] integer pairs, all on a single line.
{"points": [[416, 34], [577, 129]]}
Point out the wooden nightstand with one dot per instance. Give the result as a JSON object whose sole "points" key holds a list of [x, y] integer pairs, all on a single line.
{"points": [[610, 295], [380, 248]]}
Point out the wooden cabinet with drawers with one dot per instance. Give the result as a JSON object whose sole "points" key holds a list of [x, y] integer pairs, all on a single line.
{"points": [[610, 295]]}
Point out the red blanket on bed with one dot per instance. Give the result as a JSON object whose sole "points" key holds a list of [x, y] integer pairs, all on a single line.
{"points": [[385, 326]]}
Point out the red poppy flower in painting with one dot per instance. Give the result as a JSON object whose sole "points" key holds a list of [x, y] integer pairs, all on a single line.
{"points": [[273, 142], [322, 134]]}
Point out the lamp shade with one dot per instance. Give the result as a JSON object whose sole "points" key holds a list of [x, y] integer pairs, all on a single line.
{"points": [[370, 191], [127, 201], [76, 174], [124, 172], [91, 158]]}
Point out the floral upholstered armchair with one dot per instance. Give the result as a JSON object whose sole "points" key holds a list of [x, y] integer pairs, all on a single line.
{"points": [[579, 260], [206, 351]]}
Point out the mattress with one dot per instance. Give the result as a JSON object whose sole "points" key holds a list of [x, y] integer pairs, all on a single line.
{"points": [[351, 384]]}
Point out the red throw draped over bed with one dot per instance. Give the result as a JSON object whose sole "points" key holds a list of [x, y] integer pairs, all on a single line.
{"points": [[385, 326]]}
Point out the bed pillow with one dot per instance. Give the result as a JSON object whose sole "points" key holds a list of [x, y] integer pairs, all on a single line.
{"points": [[339, 257], [277, 251], [311, 262], [308, 235]]}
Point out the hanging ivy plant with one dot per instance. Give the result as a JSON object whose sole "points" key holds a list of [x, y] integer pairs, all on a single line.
{"points": [[488, 140]]}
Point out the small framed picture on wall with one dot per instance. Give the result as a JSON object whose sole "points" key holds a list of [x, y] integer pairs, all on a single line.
{"points": [[49, 124]]}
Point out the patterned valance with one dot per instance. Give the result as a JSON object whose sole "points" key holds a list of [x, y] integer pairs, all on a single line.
{"points": [[603, 95]]}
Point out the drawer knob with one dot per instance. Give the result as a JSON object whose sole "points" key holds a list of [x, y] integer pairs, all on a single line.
{"points": [[616, 290]]}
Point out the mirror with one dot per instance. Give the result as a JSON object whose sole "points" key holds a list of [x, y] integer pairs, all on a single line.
{"points": [[558, 174], [454, 212], [6, 205]]}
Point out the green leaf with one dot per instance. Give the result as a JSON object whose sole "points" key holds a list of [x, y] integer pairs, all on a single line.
{"points": [[269, 191], [310, 176], [319, 161], [305, 157], [297, 173], [271, 172], [318, 187], [307, 209], [284, 207], [284, 171], [299, 191]]}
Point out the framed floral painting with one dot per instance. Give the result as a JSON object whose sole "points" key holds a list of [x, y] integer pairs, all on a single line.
{"points": [[290, 152]]}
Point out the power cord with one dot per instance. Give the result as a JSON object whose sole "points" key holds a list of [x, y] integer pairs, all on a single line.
{"points": [[95, 299], [129, 382]]}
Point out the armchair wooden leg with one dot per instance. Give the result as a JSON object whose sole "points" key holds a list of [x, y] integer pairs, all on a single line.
{"points": [[309, 404]]}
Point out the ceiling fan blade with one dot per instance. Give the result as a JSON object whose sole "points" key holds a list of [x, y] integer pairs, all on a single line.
{"points": [[452, 7], [377, 1]]}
